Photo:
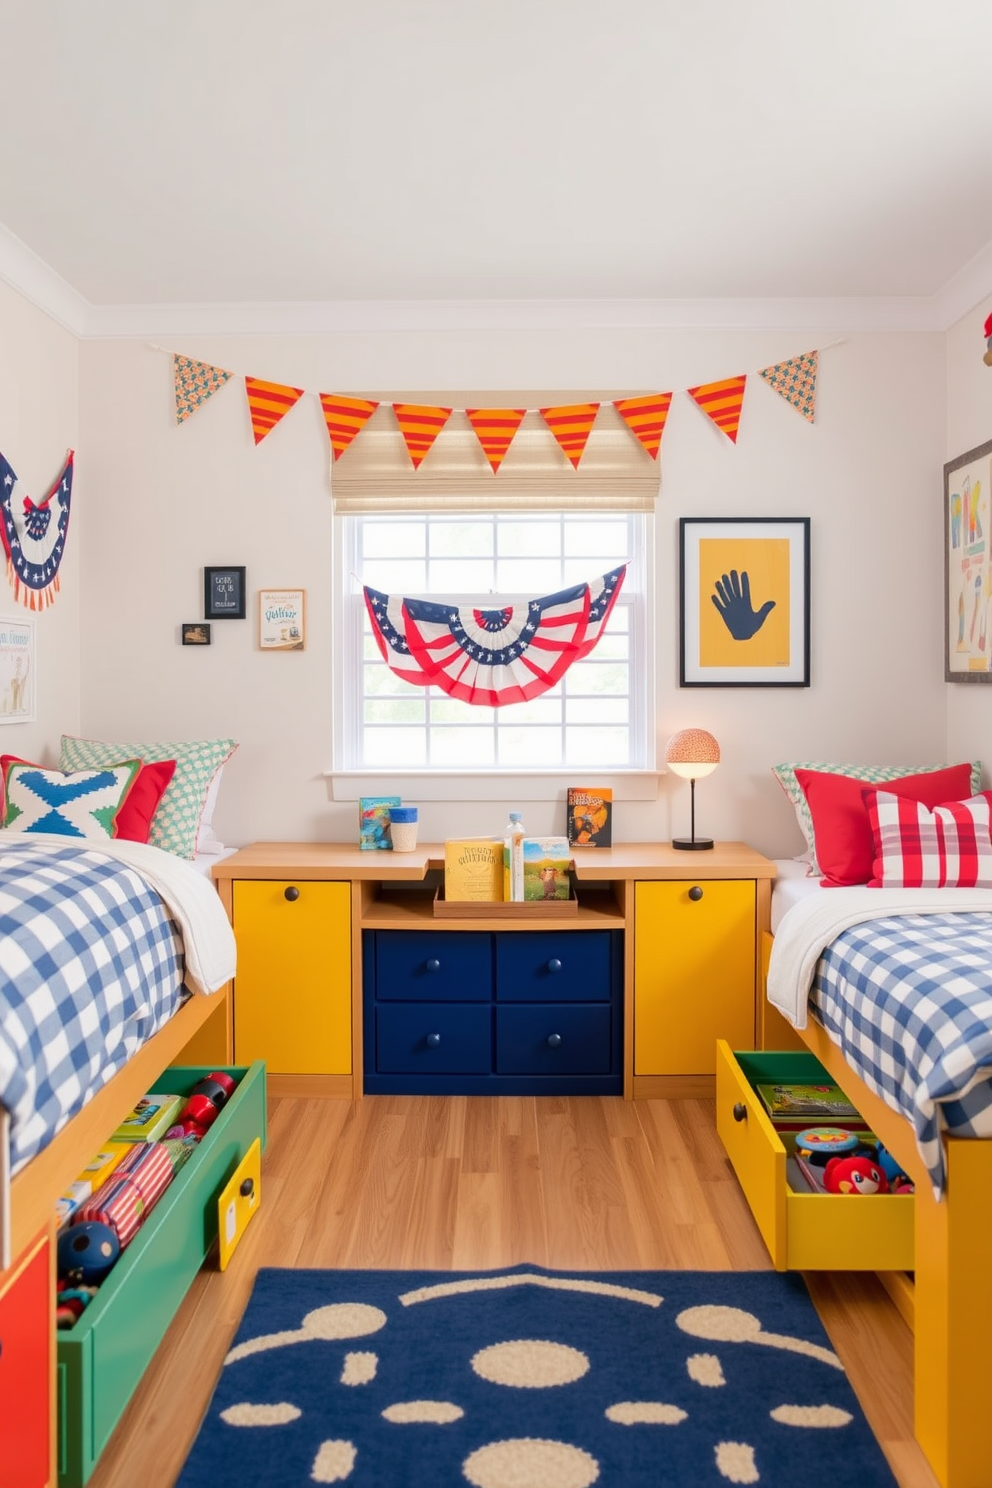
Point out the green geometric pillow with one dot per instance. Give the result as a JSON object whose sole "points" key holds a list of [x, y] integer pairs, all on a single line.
{"points": [[83, 803], [870, 774], [177, 820]]}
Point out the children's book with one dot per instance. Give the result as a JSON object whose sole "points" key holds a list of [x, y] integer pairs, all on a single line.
{"points": [[589, 816], [150, 1119], [473, 870], [787, 1099], [546, 864], [373, 821], [103, 1163]]}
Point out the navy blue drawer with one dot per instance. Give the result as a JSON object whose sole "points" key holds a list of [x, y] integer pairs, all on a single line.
{"points": [[416, 965], [553, 1040], [553, 966], [433, 1038]]}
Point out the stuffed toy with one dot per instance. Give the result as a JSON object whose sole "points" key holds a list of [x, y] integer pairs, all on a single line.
{"points": [[854, 1175]]}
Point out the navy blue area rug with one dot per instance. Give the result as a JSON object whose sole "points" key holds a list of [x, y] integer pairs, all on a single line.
{"points": [[530, 1378]]}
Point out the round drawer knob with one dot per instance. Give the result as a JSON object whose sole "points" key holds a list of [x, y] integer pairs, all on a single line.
{"points": [[247, 1188], [292, 893], [740, 1112], [554, 964], [433, 1040], [695, 892], [433, 964], [554, 1040]]}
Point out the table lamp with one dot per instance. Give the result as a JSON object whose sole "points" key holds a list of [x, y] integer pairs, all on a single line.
{"points": [[692, 753]]}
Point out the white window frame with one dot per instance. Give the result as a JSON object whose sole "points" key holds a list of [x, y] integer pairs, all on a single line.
{"points": [[637, 781]]}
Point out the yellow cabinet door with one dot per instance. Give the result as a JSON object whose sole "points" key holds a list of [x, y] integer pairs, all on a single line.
{"points": [[292, 986], [694, 947]]}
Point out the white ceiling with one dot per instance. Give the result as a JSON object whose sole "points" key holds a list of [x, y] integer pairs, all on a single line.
{"points": [[234, 153]]}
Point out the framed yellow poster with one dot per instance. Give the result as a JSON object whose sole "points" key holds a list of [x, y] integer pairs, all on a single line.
{"points": [[744, 602], [968, 567]]}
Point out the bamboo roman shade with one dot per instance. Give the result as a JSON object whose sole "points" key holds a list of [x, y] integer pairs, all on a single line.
{"points": [[376, 473]]}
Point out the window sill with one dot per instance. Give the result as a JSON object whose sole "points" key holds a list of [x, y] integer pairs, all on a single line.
{"points": [[488, 785]]}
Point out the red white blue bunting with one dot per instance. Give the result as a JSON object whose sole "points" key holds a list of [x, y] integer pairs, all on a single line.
{"points": [[492, 655], [33, 536]]}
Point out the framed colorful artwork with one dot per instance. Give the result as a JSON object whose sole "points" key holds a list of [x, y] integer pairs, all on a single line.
{"points": [[224, 593], [967, 567], [17, 671], [282, 619], [744, 602]]}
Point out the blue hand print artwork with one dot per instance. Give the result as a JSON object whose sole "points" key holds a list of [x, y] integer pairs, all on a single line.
{"points": [[733, 603]]}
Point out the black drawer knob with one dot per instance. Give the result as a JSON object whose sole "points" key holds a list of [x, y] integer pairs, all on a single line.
{"points": [[554, 964], [695, 892], [433, 964], [554, 1039], [292, 894], [433, 1040], [247, 1188], [740, 1112]]}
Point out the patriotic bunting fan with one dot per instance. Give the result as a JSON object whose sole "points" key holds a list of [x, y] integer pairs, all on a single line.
{"points": [[492, 655], [34, 537]]}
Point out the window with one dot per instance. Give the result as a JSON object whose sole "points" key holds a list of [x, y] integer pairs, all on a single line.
{"points": [[596, 718]]}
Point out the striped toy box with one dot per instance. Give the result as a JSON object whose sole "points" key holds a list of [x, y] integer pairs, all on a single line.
{"points": [[130, 1193]]}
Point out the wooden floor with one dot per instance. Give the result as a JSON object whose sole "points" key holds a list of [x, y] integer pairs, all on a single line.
{"points": [[582, 1183]]}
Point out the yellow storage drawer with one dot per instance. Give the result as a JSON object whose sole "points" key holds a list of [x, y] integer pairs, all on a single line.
{"points": [[803, 1231]]}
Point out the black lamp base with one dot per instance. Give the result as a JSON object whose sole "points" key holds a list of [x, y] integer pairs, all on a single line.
{"points": [[692, 844]]}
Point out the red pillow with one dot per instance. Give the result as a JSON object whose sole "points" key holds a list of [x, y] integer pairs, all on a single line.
{"points": [[842, 832], [134, 820], [949, 847]]}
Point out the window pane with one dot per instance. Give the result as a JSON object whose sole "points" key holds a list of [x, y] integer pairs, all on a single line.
{"points": [[595, 677], [396, 575], [395, 710], [584, 537], [453, 710], [461, 575], [597, 746], [529, 576], [543, 709], [596, 710], [517, 539], [385, 539], [463, 539], [530, 748], [464, 749], [381, 682], [385, 748]]}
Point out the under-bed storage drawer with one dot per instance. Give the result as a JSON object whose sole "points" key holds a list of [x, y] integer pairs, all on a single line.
{"points": [[803, 1231], [102, 1358]]}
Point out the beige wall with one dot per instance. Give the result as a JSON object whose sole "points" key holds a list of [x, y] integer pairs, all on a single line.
{"points": [[163, 500], [39, 422], [969, 424]]}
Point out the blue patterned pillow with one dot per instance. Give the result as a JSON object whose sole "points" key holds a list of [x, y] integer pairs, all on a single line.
{"points": [[84, 803]]}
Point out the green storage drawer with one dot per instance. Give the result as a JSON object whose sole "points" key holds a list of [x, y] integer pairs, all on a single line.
{"points": [[102, 1358]]}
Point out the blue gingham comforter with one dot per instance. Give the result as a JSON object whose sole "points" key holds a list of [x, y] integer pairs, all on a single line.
{"points": [[91, 965], [909, 1000]]}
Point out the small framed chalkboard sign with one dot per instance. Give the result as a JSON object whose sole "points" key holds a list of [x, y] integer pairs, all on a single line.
{"points": [[224, 593]]}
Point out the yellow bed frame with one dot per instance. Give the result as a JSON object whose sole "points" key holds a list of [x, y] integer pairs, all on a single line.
{"points": [[952, 1290]]}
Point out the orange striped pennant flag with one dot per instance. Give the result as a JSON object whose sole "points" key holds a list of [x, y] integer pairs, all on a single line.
{"points": [[495, 428], [420, 427], [646, 417], [344, 417], [268, 402], [571, 425], [722, 401]]}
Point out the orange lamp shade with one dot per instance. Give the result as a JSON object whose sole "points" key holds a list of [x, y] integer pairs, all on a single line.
{"points": [[692, 753]]}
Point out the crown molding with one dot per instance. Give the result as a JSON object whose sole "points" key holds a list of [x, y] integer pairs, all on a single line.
{"points": [[25, 272]]}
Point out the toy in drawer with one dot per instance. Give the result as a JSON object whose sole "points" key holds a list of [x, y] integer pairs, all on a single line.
{"points": [[803, 1231], [102, 1357]]}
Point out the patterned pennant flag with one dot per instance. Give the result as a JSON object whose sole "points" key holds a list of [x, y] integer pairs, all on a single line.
{"points": [[194, 383], [646, 417], [796, 381], [268, 402], [344, 417], [722, 402], [495, 428], [571, 425], [420, 427]]}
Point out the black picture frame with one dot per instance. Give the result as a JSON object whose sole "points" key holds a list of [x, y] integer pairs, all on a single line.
{"points": [[967, 568], [734, 573], [224, 593], [196, 633]]}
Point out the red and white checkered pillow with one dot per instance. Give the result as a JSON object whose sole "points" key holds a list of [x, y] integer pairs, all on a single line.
{"points": [[949, 847]]}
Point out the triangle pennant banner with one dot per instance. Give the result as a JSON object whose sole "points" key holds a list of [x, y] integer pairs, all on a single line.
{"points": [[571, 425], [722, 402], [645, 417], [796, 382], [194, 382], [344, 417], [495, 428], [420, 426], [268, 402]]}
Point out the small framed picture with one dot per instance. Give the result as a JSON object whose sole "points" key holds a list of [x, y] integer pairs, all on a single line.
{"points": [[967, 569], [17, 671], [196, 634], [282, 619], [224, 593]]}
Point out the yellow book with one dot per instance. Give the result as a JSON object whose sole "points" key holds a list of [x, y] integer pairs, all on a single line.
{"points": [[473, 870], [103, 1163]]}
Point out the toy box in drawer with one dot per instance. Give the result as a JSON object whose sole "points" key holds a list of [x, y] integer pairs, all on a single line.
{"points": [[803, 1231], [102, 1357]]}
